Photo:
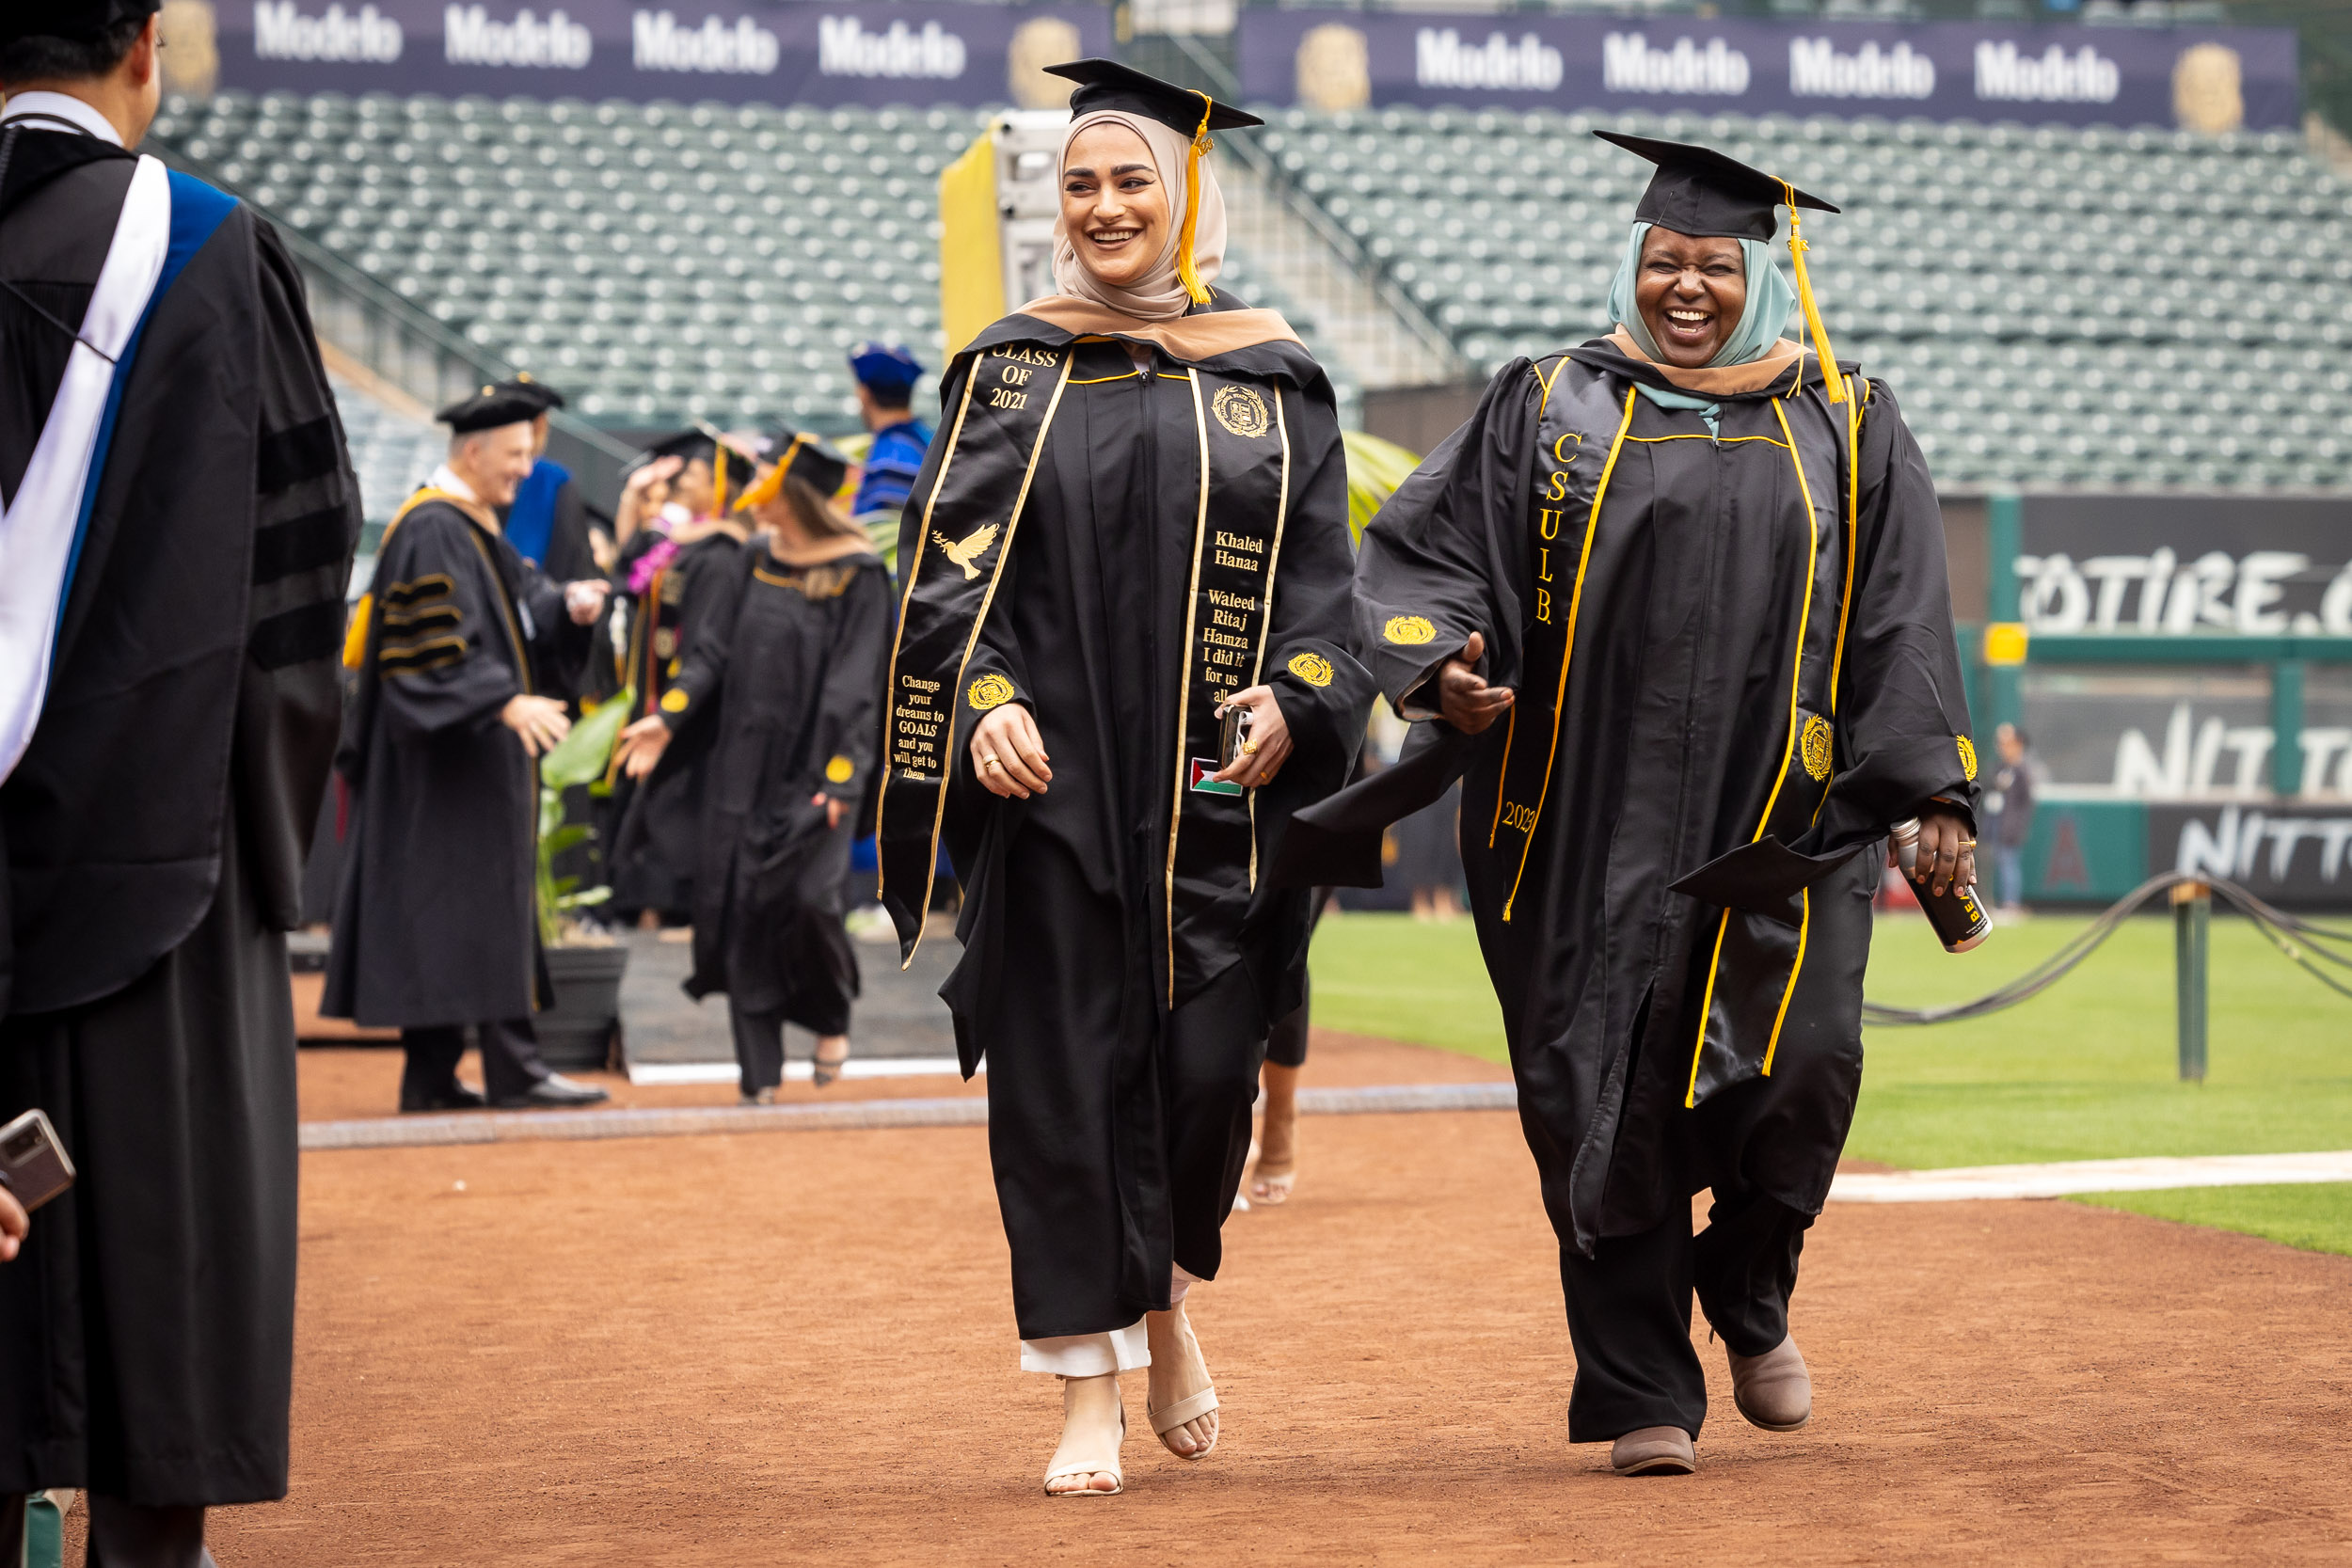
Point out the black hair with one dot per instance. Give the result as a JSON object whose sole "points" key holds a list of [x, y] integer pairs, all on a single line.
{"points": [[44, 58]]}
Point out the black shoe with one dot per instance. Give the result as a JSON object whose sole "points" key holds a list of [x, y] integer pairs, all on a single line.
{"points": [[455, 1097], [554, 1092]]}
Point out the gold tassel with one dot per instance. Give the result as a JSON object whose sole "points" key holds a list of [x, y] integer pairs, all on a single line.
{"points": [[1186, 272], [1832, 381], [718, 470], [767, 489]]}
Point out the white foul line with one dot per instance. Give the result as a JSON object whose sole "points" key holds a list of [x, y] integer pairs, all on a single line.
{"points": [[2066, 1178]]}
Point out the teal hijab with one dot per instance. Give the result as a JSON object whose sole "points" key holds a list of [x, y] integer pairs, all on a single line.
{"points": [[1769, 300]]}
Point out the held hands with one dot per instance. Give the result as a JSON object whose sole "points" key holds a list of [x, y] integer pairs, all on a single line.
{"points": [[641, 745], [1465, 700], [1008, 755], [1947, 853], [1267, 742], [585, 598], [540, 720]]}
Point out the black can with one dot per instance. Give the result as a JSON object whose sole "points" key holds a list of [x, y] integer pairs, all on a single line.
{"points": [[1957, 913]]}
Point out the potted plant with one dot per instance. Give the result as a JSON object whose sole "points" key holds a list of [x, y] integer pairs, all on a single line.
{"points": [[584, 962]]}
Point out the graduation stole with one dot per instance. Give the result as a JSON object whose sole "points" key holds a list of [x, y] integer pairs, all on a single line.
{"points": [[1580, 430], [1237, 538], [975, 505]]}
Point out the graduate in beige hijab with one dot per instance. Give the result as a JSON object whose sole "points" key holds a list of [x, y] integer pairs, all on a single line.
{"points": [[1121, 665]]}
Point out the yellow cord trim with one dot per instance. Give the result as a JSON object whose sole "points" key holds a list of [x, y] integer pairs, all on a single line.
{"points": [[1805, 926], [1567, 653], [1707, 1006], [1186, 272], [1853, 527], [1797, 247]]}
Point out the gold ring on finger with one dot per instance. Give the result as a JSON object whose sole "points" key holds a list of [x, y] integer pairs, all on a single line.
{"points": [[988, 763], [1249, 748]]}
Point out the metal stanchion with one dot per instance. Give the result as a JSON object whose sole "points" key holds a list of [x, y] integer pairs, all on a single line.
{"points": [[2192, 928]]}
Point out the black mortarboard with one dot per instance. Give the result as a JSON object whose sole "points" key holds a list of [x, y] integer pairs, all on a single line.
{"points": [[490, 408], [698, 445], [84, 21], [1698, 191], [522, 385], [802, 455], [1107, 85]]}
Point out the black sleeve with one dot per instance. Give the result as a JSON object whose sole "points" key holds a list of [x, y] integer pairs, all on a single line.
{"points": [[306, 524], [714, 597], [1902, 717], [848, 710], [434, 654], [570, 559], [1443, 556], [1323, 691]]}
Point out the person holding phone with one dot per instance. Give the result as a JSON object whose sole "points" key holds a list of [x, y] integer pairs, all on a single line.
{"points": [[1133, 530]]}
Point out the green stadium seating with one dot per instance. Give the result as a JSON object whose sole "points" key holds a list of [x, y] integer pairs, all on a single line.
{"points": [[2089, 308], [661, 262]]}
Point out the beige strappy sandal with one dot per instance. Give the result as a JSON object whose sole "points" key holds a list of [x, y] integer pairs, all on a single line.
{"points": [[1065, 1463], [1190, 1408]]}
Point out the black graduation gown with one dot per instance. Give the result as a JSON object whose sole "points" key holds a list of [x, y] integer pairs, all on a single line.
{"points": [[659, 843], [789, 674], [155, 832], [1762, 676], [435, 922], [1122, 1056]]}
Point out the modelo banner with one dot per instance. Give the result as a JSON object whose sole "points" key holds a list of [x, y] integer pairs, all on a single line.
{"points": [[800, 52], [2210, 79]]}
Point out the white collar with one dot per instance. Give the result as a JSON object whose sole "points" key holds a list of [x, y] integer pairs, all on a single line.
{"points": [[64, 106], [445, 478]]}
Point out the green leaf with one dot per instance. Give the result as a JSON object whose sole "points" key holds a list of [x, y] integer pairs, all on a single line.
{"points": [[581, 756]]}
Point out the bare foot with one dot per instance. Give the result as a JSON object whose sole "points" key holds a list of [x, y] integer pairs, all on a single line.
{"points": [[1178, 1373], [1093, 1425], [1276, 1168], [832, 1052]]}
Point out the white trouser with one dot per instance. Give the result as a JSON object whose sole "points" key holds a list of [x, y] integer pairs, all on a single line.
{"points": [[1122, 1350]]}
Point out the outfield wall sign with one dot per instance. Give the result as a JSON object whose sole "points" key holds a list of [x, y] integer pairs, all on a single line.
{"points": [[2187, 565], [749, 50], [2210, 79], [2095, 851]]}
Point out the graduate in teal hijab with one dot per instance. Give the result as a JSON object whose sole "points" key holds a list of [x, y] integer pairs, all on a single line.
{"points": [[1673, 604]]}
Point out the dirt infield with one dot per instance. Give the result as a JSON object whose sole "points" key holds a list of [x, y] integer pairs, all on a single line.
{"points": [[741, 1350]]}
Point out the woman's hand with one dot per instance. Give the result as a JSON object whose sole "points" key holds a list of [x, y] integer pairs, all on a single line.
{"points": [[654, 472], [584, 600], [1947, 852], [641, 745], [15, 1225], [1264, 744], [1009, 753], [1465, 700]]}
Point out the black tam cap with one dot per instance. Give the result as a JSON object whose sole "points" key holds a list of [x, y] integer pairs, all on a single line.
{"points": [[523, 387], [83, 21], [700, 446], [1123, 90], [490, 408], [1698, 191], [799, 455]]}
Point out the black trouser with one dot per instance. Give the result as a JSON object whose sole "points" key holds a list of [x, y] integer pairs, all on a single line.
{"points": [[121, 1535], [511, 1067], [1286, 1045], [1630, 1311], [758, 1048]]}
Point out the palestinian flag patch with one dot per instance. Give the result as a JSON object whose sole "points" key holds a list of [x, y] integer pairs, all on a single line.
{"points": [[1204, 780]]}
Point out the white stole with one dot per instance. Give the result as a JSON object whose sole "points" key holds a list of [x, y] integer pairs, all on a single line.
{"points": [[40, 526]]}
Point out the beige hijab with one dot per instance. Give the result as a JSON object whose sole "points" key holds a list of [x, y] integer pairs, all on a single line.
{"points": [[1160, 296]]}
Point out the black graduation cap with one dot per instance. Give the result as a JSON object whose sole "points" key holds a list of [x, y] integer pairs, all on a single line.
{"points": [[1107, 85], [84, 21], [522, 385], [802, 455], [490, 408], [1698, 191], [701, 446]]}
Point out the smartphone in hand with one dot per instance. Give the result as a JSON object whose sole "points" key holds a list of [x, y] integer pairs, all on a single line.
{"points": [[33, 1163]]}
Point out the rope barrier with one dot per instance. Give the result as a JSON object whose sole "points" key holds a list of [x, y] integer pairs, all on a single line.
{"points": [[2304, 942]]}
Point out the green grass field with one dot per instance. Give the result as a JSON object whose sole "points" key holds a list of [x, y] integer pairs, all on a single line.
{"points": [[2085, 1071]]}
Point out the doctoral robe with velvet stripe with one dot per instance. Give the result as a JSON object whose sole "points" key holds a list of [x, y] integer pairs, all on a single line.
{"points": [[1762, 679], [155, 834], [1117, 1124], [435, 922]]}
